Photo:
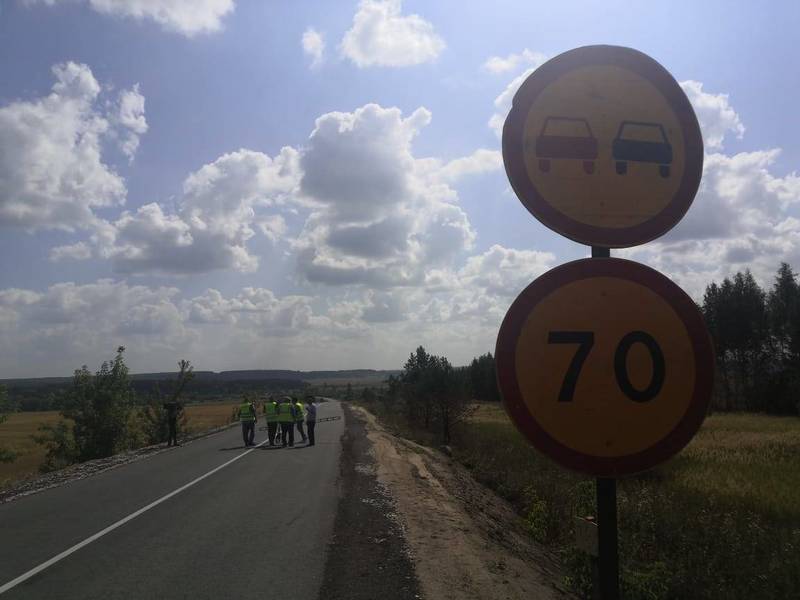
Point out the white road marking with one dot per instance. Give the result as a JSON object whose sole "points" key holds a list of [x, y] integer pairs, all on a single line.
{"points": [[25, 576]]}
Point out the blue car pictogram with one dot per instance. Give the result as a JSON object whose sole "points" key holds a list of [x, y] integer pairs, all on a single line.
{"points": [[629, 147]]}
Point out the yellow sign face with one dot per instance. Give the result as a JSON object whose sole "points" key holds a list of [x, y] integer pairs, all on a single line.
{"points": [[602, 145], [599, 418], [608, 363]]}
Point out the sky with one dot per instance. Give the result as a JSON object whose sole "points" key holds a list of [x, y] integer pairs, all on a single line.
{"points": [[319, 185]]}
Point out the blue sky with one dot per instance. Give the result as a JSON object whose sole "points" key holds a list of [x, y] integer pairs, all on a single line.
{"points": [[201, 184]]}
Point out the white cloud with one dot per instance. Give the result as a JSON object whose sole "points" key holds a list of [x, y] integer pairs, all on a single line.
{"points": [[498, 64], [219, 207], [272, 226], [382, 36], [69, 324], [502, 103], [505, 272], [480, 161], [743, 217], [314, 46], [130, 116], [387, 221], [257, 309], [77, 251], [51, 170], [188, 17], [715, 114]]}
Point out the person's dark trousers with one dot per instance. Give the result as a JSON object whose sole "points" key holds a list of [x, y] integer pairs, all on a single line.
{"points": [[272, 429], [300, 429], [311, 425], [248, 432], [287, 433], [173, 432]]}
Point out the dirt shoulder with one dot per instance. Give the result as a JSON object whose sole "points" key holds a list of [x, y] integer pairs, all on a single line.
{"points": [[466, 541], [368, 556]]}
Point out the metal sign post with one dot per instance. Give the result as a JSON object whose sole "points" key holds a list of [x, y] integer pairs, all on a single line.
{"points": [[608, 537], [604, 365], [608, 558]]}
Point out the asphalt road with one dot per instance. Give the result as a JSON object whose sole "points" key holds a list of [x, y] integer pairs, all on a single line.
{"points": [[258, 527]]}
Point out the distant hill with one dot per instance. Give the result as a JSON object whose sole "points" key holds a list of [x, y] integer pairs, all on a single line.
{"points": [[208, 376], [41, 393]]}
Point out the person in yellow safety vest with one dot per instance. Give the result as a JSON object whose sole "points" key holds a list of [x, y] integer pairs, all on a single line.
{"points": [[271, 415], [298, 417], [286, 412], [248, 417]]}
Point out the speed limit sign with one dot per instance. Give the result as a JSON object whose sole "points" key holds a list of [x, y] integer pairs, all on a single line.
{"points": [[605, 365]]}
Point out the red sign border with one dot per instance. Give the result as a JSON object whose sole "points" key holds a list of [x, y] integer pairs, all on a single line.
{"points": [[514, 147], [525, 422]]}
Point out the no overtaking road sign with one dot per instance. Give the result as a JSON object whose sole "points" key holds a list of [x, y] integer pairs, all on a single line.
{"points": [[602, 146]]}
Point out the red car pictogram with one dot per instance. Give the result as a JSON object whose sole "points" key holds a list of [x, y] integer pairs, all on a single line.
{"points": [[566, 138]]}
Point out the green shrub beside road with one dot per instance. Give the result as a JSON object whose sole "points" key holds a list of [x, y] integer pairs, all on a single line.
{"points": [[721, 520]]}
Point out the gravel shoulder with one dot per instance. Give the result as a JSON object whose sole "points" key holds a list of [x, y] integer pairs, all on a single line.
{"points": [[368, 556], [466, 542]]}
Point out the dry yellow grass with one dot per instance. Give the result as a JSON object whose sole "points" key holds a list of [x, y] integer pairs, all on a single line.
{"points": [[16, 433], [747, 458], [719, 520], [207, 416]]}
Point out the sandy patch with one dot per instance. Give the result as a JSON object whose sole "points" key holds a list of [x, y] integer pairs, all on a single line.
{"points": [[466, 541]]}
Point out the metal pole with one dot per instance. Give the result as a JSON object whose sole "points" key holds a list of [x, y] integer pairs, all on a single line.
{"points": [[608, 558], [607, 542]]}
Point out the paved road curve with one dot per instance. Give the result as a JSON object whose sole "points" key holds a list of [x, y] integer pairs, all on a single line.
{"points": [[257, 527]]}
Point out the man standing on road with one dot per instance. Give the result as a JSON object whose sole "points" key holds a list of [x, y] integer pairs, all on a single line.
{"points": [[247, 415], [298, 417], [286, 412], [174, 409], [271, 415], [311, 418]]}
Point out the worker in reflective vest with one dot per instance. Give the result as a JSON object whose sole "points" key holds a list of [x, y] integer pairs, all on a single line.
{"points": [[271, 415], [298, 418], [286, 419], [247, 416]]}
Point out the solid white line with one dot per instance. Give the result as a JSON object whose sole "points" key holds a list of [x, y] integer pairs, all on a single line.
{"points": [[25, 576]]}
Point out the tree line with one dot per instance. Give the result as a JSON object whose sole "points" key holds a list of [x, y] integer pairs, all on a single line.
{"points": [[756, 336], [432, 395]]}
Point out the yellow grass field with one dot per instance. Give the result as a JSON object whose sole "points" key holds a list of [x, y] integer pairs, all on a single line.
{"points": [[719, 520], [16, 434], [747, 458]]}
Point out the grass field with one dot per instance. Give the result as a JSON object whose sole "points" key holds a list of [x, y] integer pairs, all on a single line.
{"points": [[721, 520], [16, 434]]}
